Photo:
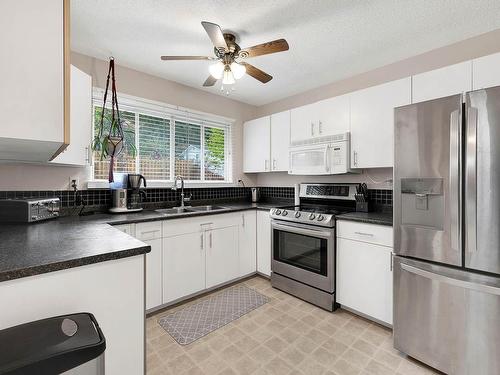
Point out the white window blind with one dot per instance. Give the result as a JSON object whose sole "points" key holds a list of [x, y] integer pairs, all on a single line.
{"points": [[154, 147], [168, 143]]}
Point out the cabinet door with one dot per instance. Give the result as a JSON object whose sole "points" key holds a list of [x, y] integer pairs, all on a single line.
{"points": [[183, 265], [222, 259], [257, 145], [78, 151], [372, 123], [264, 243], [486, 72], [303, 123], [364, 278], [334, 115], [280, 140], [438, 83], [153, 274], [248, 243]]}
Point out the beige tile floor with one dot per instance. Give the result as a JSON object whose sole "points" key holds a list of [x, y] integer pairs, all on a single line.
{"points": [[285, 336]]}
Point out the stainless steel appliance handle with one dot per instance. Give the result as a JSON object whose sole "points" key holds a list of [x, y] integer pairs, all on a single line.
{"points": [[471, 181], [450, 280], [454, 183], [304, 231]]}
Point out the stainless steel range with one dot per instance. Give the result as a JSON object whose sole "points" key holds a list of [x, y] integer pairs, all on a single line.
{"points": [[303, 242]]}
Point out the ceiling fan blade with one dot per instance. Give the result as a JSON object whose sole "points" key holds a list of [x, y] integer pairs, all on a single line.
{"points": [[278, 45], [210, 81], [169, 58], [215, 34], [257, 73]]}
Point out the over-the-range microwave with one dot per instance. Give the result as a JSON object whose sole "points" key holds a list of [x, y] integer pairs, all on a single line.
{"points": [[321, 156]]}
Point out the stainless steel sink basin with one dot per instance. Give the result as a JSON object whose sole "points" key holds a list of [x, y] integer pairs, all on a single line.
{"points": [[172, 211], [205, 208], [185, 210]]}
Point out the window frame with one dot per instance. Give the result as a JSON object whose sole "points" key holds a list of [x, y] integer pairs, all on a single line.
{"points": [[147, 107]]}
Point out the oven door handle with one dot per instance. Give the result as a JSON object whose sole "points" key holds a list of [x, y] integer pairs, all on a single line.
{"points": [[304, 231]]}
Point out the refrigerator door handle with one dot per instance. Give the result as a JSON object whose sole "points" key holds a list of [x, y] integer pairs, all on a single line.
{"points": [[454, 184], [451, 281], [471, 181]]}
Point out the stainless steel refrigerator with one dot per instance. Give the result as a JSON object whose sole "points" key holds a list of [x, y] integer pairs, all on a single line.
{"points": [[447, 232]]}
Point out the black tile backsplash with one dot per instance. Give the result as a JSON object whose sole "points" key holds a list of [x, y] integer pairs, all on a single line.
{"points": [[100, 199]]}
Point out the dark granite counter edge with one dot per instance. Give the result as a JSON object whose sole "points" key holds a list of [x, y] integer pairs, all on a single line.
{"points": [[72, 263], [367, 220]]}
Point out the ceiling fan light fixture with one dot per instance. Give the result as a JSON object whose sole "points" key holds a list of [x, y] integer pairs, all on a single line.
{"points": [[216, 70], [228, 77], [238, 70]]}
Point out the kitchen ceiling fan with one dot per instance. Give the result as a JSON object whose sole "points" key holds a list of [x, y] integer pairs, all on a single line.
{"points": [[230, 65]]}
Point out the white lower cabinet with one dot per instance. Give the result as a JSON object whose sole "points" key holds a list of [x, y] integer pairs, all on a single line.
{"points": [[222, 258], [248, 242], [364, 272], [264, 243], [154, 274], [183, 265]]}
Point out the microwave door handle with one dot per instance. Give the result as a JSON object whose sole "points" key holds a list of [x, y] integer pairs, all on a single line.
{"points": [[327, 166]]}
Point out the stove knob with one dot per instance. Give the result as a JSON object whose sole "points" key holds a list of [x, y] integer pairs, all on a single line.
{"points": [[278, 212], [312, 216], [284, 213], [320, 217], [297, 214]]}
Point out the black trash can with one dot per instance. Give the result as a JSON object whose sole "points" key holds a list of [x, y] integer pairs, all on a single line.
{"points": [[70, 344]]}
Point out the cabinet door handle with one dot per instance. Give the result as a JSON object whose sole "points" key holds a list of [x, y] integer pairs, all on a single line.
{"points": [[364, 234], [355, 159], [312, 128], [265, 165], [150, 231], [210, 237], [243, 220], [319, 128], [390, 260], [274, 164], [201, 244]]}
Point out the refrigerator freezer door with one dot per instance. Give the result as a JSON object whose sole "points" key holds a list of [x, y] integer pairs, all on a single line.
{"points": [[427, 180], [447, 318], [482, 180]]}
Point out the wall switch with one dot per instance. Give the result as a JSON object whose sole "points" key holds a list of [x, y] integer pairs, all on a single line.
{"points": [[73, 181]]}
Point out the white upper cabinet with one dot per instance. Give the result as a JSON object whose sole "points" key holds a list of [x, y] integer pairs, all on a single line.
{"points": [[333, 115], [372, 123], [326, 117], [302, 122], [280, 139], [486, 71], [450, 80], [257, 145], [78, 151], [34, 93]]}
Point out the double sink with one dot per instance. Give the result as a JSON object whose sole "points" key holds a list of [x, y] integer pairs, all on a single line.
{"points": [[189, 209]]}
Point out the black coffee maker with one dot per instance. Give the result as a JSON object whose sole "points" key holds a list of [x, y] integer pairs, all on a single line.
{"points": [[137, 195]]}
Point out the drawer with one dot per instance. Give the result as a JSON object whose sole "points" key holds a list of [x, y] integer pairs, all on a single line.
{"points": [[371, 233], [148, 231], [176, 227]]}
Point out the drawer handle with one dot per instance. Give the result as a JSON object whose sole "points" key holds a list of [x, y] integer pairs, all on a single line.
{"points": [[364, 234], [150, 231]]}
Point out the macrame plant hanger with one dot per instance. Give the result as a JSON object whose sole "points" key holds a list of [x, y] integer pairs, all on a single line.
{"points": [[115, 138]]}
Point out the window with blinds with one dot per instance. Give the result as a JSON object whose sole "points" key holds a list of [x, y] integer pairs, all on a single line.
{"points": [[167, 145]]}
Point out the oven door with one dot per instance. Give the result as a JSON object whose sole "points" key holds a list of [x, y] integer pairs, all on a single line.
{"points": [[304, 253]]}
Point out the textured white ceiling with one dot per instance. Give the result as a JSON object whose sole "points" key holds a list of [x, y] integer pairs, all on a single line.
{"points": [[329, 39]]}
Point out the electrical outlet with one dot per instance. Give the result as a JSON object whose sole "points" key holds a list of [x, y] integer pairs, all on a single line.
{"points": [[70, 183]]}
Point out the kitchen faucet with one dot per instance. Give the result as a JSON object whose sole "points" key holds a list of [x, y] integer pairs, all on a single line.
{"points": [[177, 178]]}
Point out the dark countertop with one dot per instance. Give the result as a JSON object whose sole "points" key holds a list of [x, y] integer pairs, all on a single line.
{"points": [[73, 241], [380, 218]]}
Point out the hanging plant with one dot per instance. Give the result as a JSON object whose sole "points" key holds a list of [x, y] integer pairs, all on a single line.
{"points": [[109, 139]]}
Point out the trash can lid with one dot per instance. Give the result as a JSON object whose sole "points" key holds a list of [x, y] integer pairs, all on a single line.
{"points": [[50, 346]]}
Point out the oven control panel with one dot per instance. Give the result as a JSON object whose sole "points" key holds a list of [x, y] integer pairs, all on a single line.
{"points": [[324, 220]]}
